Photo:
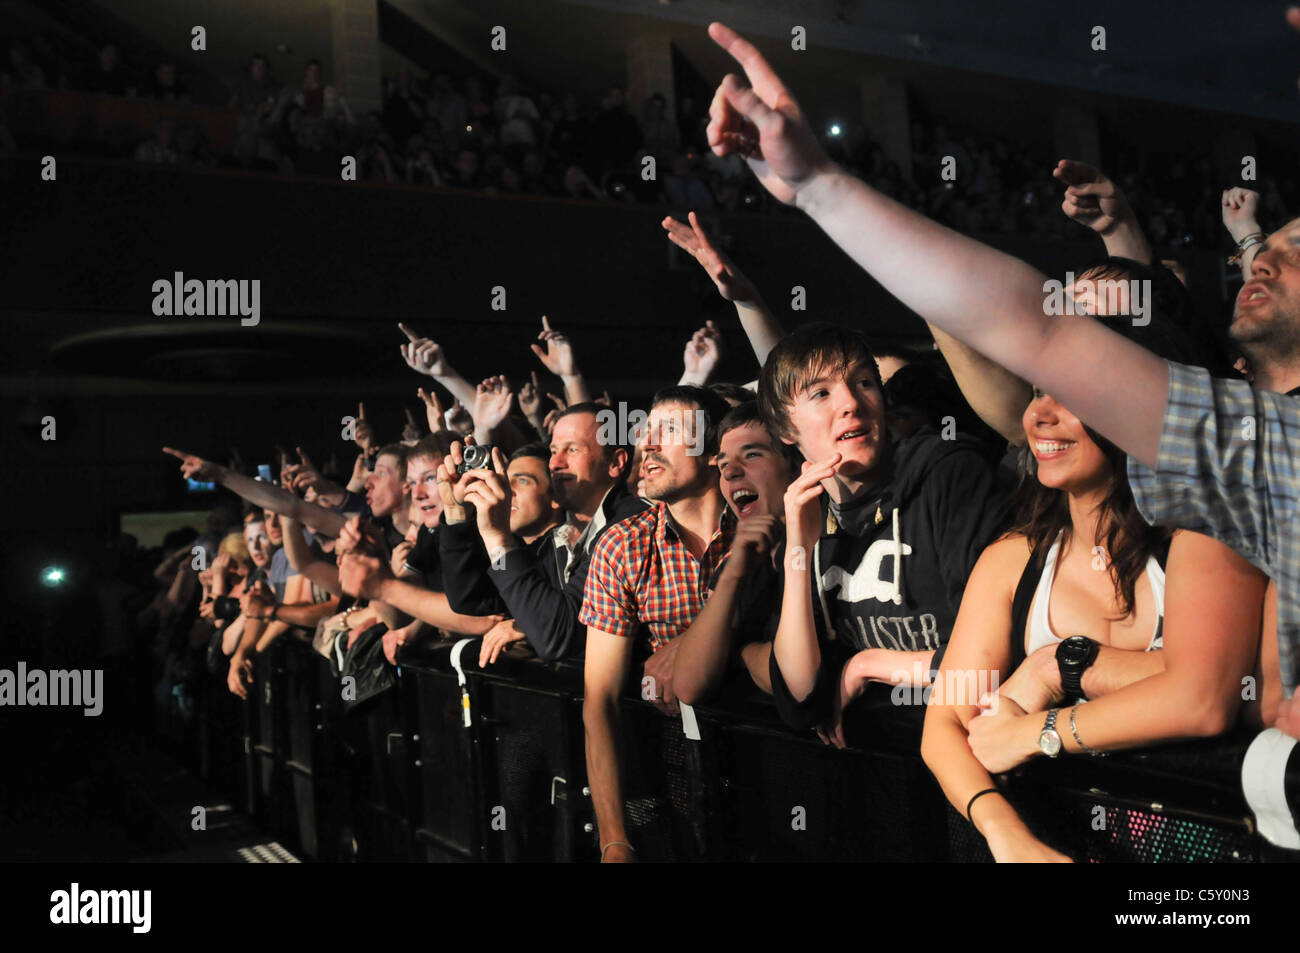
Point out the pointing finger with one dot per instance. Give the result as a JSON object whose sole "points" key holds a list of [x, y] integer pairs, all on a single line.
{"points": [[761, 76], [410, 335]]}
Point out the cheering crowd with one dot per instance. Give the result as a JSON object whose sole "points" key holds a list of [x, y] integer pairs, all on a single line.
{"points": [[1047, 512]]}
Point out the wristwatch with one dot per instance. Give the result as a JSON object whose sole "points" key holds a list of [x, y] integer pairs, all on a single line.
{"points": [[1073, 656], [1049, 742]]}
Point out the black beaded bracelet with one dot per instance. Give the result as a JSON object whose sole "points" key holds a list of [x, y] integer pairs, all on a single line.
{"points": [[978, 795]]}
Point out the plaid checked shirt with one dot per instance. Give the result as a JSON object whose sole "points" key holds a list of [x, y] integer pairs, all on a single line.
{"points": [[1229, 467], [642, 574]]}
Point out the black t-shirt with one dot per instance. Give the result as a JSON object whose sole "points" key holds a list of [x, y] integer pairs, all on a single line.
{"points": [[426, 559]]}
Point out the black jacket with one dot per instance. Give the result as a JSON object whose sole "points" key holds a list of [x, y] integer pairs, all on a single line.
{"points": [[529, 585], [940, 507]]}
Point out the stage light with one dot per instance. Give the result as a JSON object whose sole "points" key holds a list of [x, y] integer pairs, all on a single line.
{"points": [[53, 576], [835, 129]]}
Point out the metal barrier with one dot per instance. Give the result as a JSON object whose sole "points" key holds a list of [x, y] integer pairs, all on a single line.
{"points": [[403, 778]]}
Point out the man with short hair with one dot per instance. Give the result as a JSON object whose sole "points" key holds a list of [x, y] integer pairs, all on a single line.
{"points": [[755, 468], [542, 588], [649, 576], [888, 532]]}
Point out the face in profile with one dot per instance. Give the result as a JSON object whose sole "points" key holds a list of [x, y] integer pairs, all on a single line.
{"points": [[532, 506], [671, 466], [1267, 309], [753, 474], [385, 490]]}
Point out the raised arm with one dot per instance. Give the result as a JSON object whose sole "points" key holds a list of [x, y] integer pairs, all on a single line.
{"points": [[1094, 200], [558, 358], [761, 326], [703, 351], [993, 392], [261, 494], [426, 357], [323, 574], [1239, 209], [1114, 385]]}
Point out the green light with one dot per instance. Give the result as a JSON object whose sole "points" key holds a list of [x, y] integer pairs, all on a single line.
{"points": [[52, 576]]}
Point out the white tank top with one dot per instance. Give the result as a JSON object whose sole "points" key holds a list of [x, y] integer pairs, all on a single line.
{"points": [[1040, 630]]}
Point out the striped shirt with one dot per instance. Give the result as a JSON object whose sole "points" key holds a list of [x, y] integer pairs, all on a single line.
{"points": [[642, 574], [1229, 467]]}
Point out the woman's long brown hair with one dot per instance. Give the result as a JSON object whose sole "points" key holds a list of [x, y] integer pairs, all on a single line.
{"points": [[1128, 541]]}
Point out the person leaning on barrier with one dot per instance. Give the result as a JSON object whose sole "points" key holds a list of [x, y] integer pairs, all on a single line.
{"points": [[880, 537], [1193, 460], [755, 468], [1160, 655], [648, 578], [543, 589], [491, 511], [413, 588]]}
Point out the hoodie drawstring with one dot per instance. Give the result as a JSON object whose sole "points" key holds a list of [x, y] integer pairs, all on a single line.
{"points": [[898, 562]]}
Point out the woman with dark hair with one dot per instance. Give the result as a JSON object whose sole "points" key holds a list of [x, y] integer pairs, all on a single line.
{"points": [[1084, 600]]}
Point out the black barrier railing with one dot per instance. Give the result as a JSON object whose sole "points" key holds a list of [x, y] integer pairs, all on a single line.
{"points": [[401, 777]]}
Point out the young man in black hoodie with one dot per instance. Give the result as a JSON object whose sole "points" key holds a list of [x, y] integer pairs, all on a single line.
{"points": [[881, 537]]}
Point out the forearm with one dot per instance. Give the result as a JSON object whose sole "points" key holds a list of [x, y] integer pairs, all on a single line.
{"points": [[893, 667], [1115, 668], [431, 607], [1075, 360], [994, 393], [272, 632], [270, 497], [600, 716], [249, 637], [1163, 707], [946, 752], [306, 614], [702, 650], [795, 647], [757, 657], [575, 389], [1127, 241], [461, 389], [761, 327]]}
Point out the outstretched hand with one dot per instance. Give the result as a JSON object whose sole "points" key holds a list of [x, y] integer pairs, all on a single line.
{"points": [[731, 282], [558, 354], [702, 353], [763, 122], [423, 354], [195, 468]]}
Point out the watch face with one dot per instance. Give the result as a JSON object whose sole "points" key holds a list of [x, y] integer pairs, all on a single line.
{"points": [[1074, 650], [1050, 743]]}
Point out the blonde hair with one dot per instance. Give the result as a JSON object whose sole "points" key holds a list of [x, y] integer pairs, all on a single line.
{"points": [[238, 549]]}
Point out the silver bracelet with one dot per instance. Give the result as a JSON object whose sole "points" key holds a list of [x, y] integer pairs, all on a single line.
{"points": [[1074, 730], [622, 843]]}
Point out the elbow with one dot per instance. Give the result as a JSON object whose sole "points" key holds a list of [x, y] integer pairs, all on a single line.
{"points": [[1214, 717]]}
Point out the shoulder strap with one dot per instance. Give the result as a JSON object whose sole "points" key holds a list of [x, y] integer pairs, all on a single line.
{"points": [[1020, 604]]}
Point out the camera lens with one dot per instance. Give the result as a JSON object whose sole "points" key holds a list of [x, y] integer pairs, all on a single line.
{"points": [[475, 458]]}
